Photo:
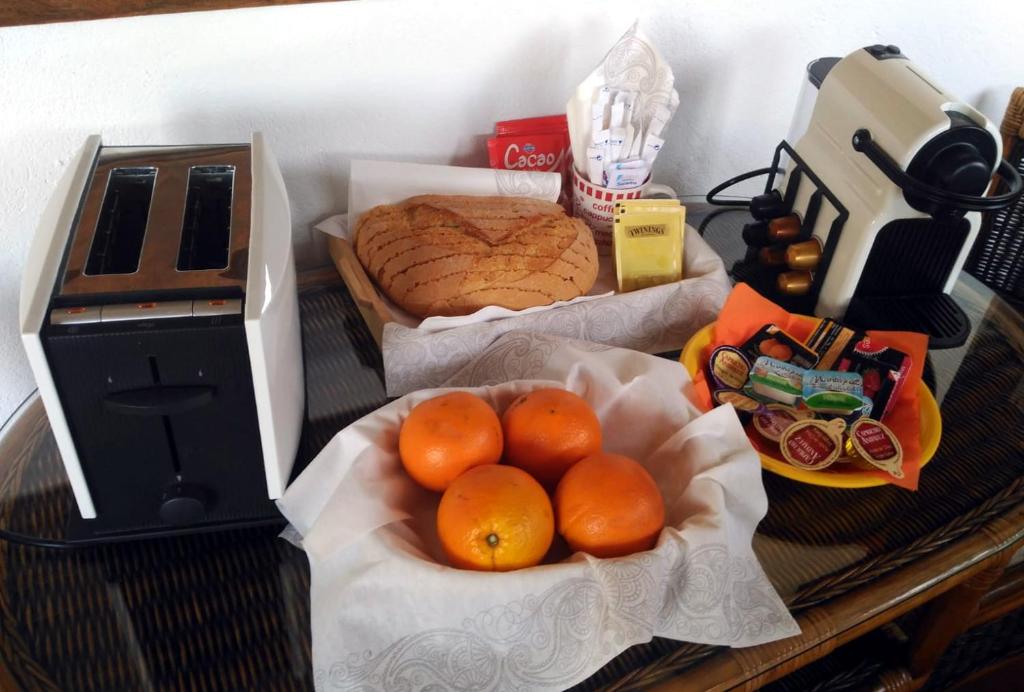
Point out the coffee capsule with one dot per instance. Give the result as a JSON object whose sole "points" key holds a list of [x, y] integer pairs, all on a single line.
{"points": [[813, 444], [728, 367], [756, 234], [774, 256], [805, 255], [784, 229], [876, 444], [794, 283]]}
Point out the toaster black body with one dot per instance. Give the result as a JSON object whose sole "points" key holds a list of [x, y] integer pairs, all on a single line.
{"points": [[164, 417]]}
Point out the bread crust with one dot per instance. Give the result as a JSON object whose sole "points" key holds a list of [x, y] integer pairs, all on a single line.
{"points": [[452, 255]]}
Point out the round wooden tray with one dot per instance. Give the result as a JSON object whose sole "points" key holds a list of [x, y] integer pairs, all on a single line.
{"points": [[836, 476]]}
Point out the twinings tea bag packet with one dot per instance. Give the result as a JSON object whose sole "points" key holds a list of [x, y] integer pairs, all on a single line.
{"points": [[626, 206], [648, 247]]}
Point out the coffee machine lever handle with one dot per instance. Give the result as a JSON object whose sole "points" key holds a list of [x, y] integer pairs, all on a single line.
{"points": [[863, 142]]}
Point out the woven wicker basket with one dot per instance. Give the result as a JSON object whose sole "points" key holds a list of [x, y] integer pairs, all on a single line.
{"points": [[998, 255]]}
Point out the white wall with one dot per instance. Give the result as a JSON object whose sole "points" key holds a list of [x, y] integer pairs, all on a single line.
{"points": [[425, 81]]}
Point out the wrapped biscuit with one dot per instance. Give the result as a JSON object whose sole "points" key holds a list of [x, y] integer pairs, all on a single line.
{"points": [[771, 341]]}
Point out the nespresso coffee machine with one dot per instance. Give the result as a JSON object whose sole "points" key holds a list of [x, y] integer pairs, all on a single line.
{"points": [[160, 317], [875, 200]]}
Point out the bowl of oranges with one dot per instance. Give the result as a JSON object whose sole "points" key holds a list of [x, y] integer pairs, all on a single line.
{"points": [[519, 529], [510, 484]]}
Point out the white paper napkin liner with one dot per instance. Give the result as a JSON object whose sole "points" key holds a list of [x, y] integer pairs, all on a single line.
{"points": [[387, 182], [386, 613], [652, 320], [633, 63], [698, 259]]}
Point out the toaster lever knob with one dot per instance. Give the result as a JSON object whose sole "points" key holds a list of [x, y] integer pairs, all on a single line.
{"points": [[184, 503]]}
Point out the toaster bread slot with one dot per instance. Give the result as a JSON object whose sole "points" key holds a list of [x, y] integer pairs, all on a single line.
{"points": [[206, 226], [121, 227], [191, 232]]}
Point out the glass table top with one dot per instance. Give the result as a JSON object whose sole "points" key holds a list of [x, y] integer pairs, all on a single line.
{"points": [[230, 609]]}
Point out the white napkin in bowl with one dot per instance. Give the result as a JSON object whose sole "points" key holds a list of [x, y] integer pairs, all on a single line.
{"points": [[388, 613]]}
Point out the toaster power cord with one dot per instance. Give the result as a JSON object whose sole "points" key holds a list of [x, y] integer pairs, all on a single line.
{"points": [[34, 541]]}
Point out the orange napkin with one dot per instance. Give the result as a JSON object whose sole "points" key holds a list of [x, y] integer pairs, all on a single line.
{"points": [[745, 311]]}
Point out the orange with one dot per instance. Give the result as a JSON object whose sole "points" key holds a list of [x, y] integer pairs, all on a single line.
{"points": [[549, 430], [444, 436], [495, 518], [608, 505]]}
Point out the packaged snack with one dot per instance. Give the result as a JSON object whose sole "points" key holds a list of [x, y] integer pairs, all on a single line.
{"points": [[836, 393], [776, 419], [771, 341], [740, 401], [728, 368], [813, 444], [883, 369], [876, 444], [533, 144], [777, 380], [534, 152], [829, 340], [531, 126]]}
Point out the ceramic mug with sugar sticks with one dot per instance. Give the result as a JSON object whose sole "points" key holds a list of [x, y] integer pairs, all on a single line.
{"points": [[595, 204]]}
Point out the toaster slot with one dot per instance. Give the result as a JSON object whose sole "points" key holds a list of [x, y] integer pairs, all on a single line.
{"points": [[206, 227], [121, 228]]}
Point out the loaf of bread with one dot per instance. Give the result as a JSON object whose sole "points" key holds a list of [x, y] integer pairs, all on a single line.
{"points": [[451, 255]]}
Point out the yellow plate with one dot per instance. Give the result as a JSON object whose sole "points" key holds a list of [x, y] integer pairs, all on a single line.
{"points": [[931, 431]]}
